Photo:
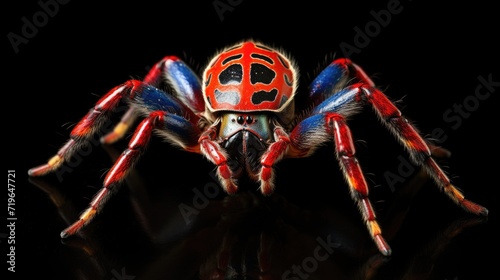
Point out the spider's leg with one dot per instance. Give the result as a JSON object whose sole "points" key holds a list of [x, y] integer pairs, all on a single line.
{"points": [[327, 122], [212, 150], [86, 128], [416, 146], [94, 121], [118, 171], [174, 127], [328, 82], [335, 75], [319, 128], [341, 102], [185, 82], [186, 86], [274, 153], [121, 128], [405, 132]]}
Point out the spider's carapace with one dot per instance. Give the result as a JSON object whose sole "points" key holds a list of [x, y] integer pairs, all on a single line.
{"points": [[241, 116], [249, 77]]}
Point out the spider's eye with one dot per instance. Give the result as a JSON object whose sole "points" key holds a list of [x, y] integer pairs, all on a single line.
{"points": [[249, 120], [240, 119]]}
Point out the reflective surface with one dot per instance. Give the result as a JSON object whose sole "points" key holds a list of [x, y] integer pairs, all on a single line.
{"points": [[186, 228]]}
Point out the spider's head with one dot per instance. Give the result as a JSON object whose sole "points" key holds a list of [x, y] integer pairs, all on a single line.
{"points": [[250, 77]]}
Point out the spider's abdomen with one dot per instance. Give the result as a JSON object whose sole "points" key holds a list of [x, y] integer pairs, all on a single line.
{"points": [[249, 77], [245, 137]]}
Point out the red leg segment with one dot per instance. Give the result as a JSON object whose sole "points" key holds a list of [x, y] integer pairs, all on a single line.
{"points": [[121, 128], [152, 78], [417, 147], [359, 73], [94, 121], [216, 155], [178, 74], [115, 176], [320, 128], [91, 123], [346, 155], [409, 137], [274, 153]]}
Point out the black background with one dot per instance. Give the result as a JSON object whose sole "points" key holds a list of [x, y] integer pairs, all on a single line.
{"points": [[428, 57]]}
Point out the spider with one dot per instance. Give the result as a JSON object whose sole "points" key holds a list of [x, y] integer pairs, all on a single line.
{"points": [[241, 116]]}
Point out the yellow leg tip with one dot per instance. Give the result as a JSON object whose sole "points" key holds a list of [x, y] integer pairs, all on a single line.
{"points": [[121, 128], [374, 228], [116, 134], [88, 214], [55, 161]]}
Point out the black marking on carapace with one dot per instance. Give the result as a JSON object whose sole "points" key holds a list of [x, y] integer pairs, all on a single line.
{"points": [[287, 81], [259, 73], [233, 57], [207, 82], [232, 74], [261, 96], [283, 100], [263, 57], [230, 97], [283, 62]]}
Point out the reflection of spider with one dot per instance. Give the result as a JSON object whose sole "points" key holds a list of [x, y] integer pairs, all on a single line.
{"points": [[247, 236], [242, 118]]}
